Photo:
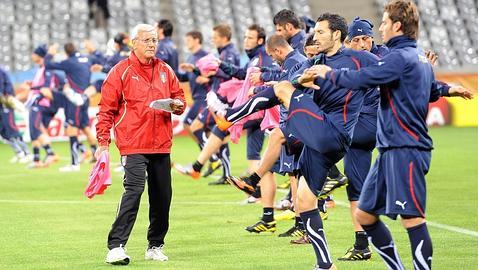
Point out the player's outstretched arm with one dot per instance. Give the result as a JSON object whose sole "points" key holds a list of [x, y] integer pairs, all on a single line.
{"points": [[460, 91]]}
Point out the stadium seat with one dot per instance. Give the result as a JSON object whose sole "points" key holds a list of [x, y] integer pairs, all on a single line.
{"points": [[451, 24]]}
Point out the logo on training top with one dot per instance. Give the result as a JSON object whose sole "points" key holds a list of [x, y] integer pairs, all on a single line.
{"points": [[288, 164], [298, 97], [163, 77], [135, 78], [254, 62], [380, 63]]}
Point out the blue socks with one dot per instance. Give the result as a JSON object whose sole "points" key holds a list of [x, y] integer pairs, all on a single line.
{"points": [[380, 237], [315, 231], [421, 244]]}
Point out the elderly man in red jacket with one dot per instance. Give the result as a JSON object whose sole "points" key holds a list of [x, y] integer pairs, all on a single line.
{"points": [[144, 138]]}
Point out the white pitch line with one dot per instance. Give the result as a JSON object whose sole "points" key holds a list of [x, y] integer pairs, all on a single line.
{"points": [[337, 202], [432, 224], [452, 228], [109, 202]]}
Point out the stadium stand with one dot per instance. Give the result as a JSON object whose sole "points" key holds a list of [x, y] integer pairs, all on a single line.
{"points": [[449, 27]]}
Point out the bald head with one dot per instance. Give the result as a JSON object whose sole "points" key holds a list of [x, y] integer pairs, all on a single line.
{"points": [[278, 47], [277, 41]]}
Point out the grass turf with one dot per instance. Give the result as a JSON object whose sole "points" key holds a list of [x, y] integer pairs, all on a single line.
{"points": [[47, 223]]}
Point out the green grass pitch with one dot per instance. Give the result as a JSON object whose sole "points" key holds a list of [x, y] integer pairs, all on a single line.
{"points": [[47, 223]]}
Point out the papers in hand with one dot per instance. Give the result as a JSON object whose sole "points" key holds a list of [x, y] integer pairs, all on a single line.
{"points": [[165, 104]]}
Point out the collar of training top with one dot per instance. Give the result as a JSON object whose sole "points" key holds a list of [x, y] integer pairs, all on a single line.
{"points": [[401, 41], [220, 50], [255, 51], [297, 38]]}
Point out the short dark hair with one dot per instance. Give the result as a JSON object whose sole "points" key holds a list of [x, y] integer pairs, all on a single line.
{"points": [[195, 34], [167, 27], [336, 23], [287, 16], [405, 12], [69, 48], [309, 40], [120, 37], [223, 30], [276, 41], [261, 32]]}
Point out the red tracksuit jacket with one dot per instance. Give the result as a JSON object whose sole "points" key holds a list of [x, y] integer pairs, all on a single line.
{"points": [[126, 94]]}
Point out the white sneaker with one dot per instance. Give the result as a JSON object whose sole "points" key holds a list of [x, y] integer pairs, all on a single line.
{"points": [[283, 204], [25, 159], [251, 199], [70, 168], [214, 103], [117, 256], [155, 254], [15, 159]]}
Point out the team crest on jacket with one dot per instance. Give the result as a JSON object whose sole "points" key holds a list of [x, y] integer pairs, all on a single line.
{"points": [[255, 62], [163, 76]]}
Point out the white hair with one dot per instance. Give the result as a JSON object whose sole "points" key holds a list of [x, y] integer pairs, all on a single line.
{"points": [[141, 28]]}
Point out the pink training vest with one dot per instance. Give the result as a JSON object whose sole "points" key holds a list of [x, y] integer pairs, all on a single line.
{"points": [[100, 177], [207, 64], [271, 118], [230, 89], [236, 129]]}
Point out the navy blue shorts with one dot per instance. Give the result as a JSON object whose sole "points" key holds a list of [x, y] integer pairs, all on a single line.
{"points": [[358, 159], [8, 128], [287, 162], [396, 183], [77, 116], [315, 166], [293, 145], [310, 125], [205, 117], [35, 122], [194, 111], [255, 139], [276, 167], [48, 113]]}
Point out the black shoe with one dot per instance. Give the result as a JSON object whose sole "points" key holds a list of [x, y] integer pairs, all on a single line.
{"points": [[220, 181], [213, 166], [293, 232], [356, 255], [262, 226], [257, 192], [332, 184], [244, 184]]}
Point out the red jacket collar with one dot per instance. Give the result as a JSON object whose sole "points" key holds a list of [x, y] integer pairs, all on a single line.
{"points": [[135, 61]]}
